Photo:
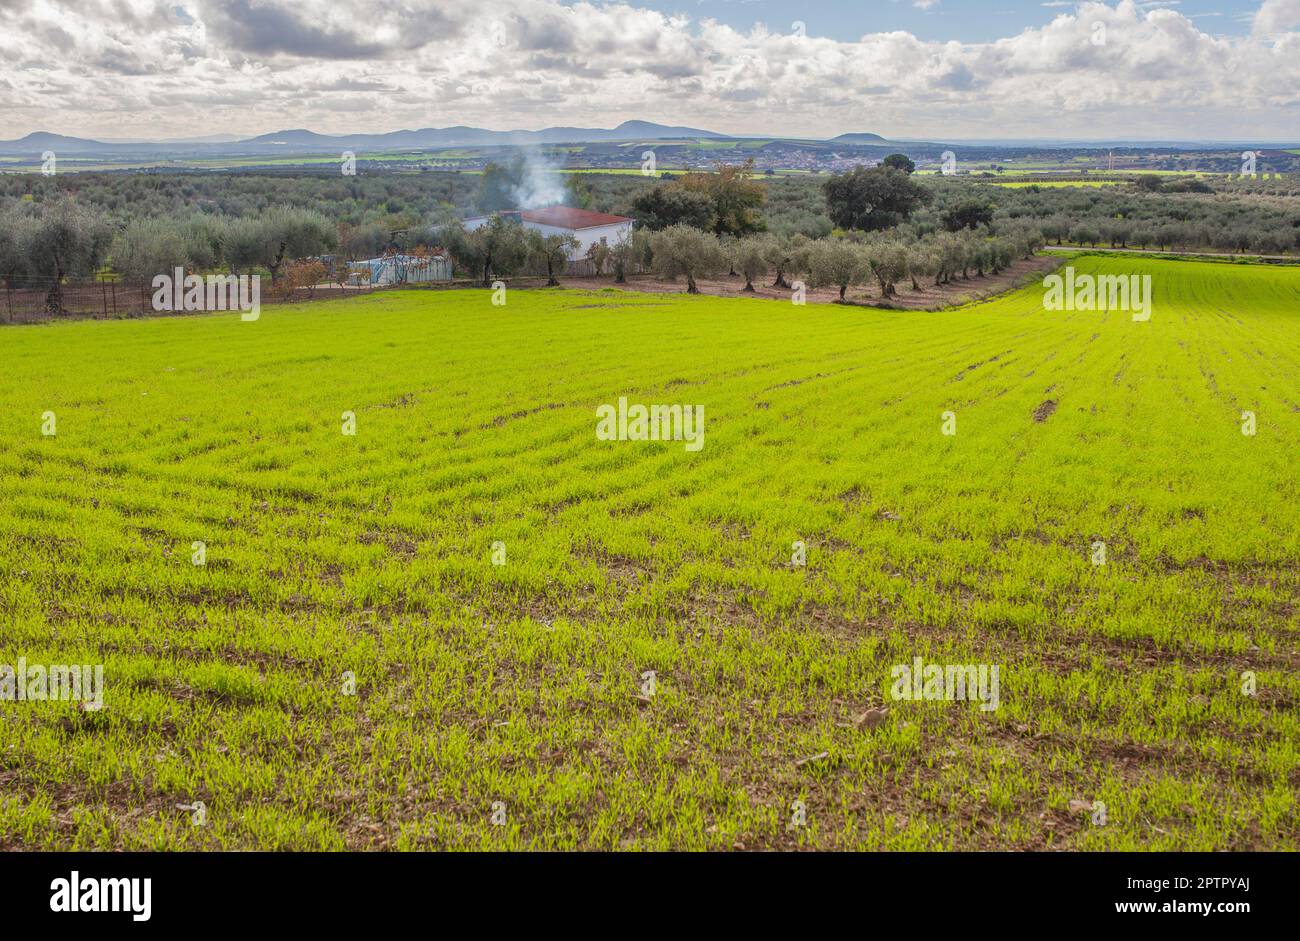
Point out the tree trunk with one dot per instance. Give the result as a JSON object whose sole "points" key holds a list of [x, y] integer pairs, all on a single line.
{"points": [[54, 299], [279, 260], [843, 288], [749, 285], [915, 286], [780, 281], [551, 280], [690, 285]]}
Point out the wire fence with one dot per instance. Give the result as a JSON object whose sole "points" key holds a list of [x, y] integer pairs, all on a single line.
{"points": [[38, 301]]}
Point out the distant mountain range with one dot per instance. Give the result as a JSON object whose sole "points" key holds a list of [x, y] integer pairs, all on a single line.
{"points": [[208, 139], [477, 136], [299, 140]]}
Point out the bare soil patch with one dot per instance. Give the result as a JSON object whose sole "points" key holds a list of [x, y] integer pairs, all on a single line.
{"points": [[930, 297]]}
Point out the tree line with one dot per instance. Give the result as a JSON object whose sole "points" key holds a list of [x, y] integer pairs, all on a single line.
{"points": [[43, 244], [52, 230], [503, 248], [1263, 215]]}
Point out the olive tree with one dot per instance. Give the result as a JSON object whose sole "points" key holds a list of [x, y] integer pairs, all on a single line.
{"points": [[787, 255], [12, 261], [750, 258], [499, 246], [1084, 235], [922, 262], [952, 257], [551, 250], [149, 247], [65, 239], [622, 257], [288, 234], [243, 244], [833, 261], [888, 264], [683, 250]]}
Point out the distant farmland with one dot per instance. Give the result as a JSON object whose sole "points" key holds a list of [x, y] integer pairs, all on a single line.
{"points": [[475, 608]]}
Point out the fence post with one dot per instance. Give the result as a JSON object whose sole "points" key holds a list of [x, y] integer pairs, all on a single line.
{"points": [[103, 293]]}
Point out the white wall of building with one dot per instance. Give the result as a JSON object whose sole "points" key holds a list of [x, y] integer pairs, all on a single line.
{"points": [[587, 237]]}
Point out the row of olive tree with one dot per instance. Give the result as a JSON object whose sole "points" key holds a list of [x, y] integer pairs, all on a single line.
{"points": [[1180, 236], [150, 246], [42, 245], [888, 258], [1264, 213]]}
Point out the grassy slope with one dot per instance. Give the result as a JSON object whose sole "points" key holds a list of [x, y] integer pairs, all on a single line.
{"points": [[518, 684]]}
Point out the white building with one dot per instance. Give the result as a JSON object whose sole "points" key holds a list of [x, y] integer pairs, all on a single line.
{"points": [[588, 227]]}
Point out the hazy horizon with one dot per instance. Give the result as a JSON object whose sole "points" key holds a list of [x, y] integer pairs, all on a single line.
{"points": [[752, 135]]}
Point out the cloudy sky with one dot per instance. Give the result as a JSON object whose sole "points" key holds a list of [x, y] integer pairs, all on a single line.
{"points": [[951, 69]]}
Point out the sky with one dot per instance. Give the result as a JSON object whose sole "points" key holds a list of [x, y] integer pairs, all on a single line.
{"points": [[918, 69], [963, 20]]}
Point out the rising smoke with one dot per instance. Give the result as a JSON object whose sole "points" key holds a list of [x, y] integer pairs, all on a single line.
{"points": [[540, 182]]}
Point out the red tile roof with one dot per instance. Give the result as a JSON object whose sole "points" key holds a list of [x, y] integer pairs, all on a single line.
{"points": [[565, 217]]}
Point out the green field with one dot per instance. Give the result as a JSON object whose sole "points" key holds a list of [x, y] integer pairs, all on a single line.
{"points": [[515, 690], [1057, 184]]}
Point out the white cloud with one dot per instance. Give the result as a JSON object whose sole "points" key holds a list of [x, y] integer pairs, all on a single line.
{"points": [[140, 68], [1277, 16]]}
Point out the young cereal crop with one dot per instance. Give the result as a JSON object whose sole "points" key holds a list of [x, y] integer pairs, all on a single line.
{"points": [[473, 622]]}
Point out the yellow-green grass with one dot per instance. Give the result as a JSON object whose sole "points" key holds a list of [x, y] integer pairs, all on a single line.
{"points": [[622, 171], [712, 144], [1057, 184], [518, 684]]}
